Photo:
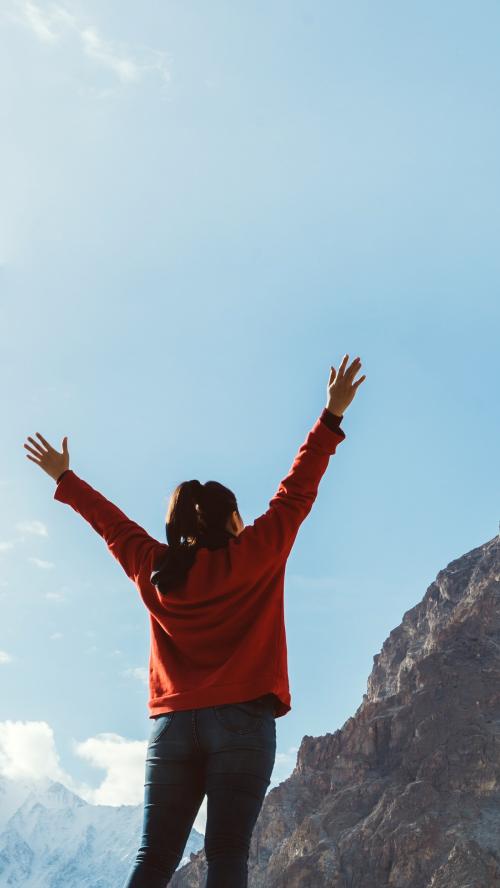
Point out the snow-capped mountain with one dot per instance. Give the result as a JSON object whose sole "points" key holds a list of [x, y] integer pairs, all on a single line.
{"points": [[51, 838]]}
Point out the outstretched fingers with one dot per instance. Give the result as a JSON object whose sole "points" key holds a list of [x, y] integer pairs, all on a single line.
{"points": [[358, 381], [36, 449], [343, 364], [32, 458], [343, 375], [42, 439], [353, 369]]}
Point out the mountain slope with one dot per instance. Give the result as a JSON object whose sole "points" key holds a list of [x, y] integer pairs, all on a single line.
{"points": [[407, 793]]}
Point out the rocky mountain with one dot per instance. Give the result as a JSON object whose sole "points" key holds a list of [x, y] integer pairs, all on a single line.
{"points": [[407, 793], [51, 838]]}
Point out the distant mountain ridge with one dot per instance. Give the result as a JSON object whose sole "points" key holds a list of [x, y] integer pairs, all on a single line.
{"points": [[407, 793], [51, 838]]}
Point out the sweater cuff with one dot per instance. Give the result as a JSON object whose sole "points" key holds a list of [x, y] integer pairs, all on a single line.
{"points": [[331, 419], [61, 475]]}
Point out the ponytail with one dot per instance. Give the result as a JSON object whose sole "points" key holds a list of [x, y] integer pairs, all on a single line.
{"points": [[197, 515]]}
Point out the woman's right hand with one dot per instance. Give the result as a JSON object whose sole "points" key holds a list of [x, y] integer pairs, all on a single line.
{"points": [[341, 389], [47, 457]]}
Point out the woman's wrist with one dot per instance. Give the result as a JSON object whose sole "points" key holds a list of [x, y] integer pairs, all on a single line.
{"points": [[335, 411], [331, 420]]}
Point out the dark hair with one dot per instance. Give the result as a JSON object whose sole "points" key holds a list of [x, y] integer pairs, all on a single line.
{"points": [[197, 515]]}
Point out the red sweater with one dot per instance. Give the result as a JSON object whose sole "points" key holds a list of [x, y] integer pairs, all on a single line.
{"points": [[219, 637]]}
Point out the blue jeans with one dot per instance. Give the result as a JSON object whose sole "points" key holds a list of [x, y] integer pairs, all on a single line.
{"points": [[225, 752]]}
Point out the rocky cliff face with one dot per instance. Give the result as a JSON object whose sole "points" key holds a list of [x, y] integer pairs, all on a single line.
{"points": [[407, 793]]}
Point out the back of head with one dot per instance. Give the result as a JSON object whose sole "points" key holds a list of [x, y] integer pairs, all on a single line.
{"points": [[197, 516]]}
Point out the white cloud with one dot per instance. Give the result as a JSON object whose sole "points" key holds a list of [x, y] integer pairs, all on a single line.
{"points": [[122, 760], [37, 528], [36, 19], [54, 24], [45, 565], [5, 657], [95, 47], [5, 546], [28, 751], [56, 635], [140, 672], [55, 596]]}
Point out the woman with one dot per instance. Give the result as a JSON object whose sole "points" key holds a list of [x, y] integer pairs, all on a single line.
{"points": [[218, 659]]}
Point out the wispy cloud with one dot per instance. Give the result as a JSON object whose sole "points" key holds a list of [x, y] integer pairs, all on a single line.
{"points": [[97, 48], [45, 565], [5, 545], [34, 527], [140, 672], [35, 18], [55, 635], [53, 25], [5, 657], [55, 596]]}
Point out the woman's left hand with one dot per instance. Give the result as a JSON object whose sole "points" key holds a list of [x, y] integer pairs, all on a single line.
{"points": [[50, 460]]}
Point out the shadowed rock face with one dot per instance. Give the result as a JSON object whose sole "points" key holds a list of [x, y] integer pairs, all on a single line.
{"points": [[407, 793]]}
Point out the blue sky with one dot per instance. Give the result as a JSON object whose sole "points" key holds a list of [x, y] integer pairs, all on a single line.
{"points": [[204, 206]]}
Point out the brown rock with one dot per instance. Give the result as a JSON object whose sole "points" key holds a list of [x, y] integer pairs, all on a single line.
{"points": [[407, 793]]}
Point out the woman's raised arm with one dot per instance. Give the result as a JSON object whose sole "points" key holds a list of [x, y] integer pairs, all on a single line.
{"points": [[127, 541], [271, 536]]}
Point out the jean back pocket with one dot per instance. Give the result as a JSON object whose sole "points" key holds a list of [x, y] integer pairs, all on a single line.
{"points": [[241, 718]]}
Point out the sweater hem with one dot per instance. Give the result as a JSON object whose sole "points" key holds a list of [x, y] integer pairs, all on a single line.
{"points": [[216, 695]]}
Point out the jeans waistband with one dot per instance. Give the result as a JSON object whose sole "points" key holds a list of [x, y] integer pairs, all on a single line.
{"points": [[267, 699]]}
